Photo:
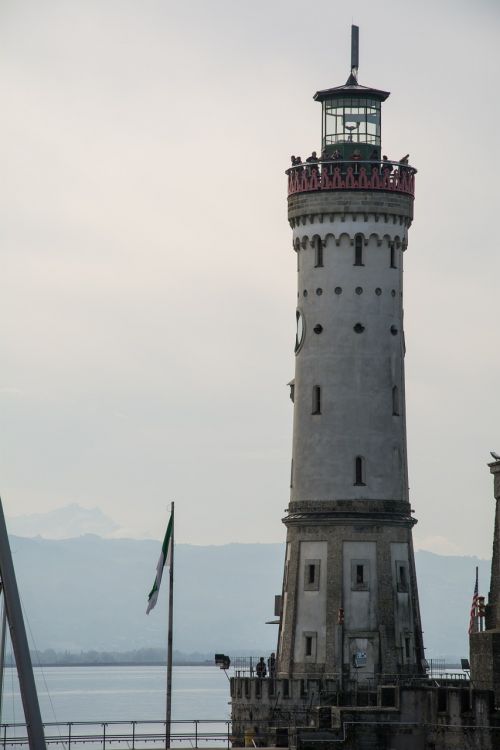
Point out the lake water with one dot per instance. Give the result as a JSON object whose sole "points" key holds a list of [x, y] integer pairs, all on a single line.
{"points": [[120, 693]]}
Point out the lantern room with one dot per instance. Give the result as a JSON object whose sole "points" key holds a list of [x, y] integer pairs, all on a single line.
{"points": [[351, 116], [351, 121]]}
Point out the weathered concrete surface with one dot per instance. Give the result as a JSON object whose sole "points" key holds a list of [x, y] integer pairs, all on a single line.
{"points": [[389, 717]]}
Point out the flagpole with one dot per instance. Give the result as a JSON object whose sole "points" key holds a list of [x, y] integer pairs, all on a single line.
{"points": [[170, 634], [477, 623]]}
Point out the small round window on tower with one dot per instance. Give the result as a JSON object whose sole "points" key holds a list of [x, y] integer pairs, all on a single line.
{"points": [[394, 330], [319, 292], [305, 293], [318, 328], [378, 291], [359, 328], [338, 290], [393, 292], [359, 290]]}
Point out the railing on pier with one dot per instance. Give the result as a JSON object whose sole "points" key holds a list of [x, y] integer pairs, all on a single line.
{"points": [[244, 666], [390, 176], [132, 734], [437, 669]]}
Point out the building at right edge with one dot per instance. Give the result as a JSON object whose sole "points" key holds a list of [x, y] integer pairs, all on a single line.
{"points": [[350, 666]]}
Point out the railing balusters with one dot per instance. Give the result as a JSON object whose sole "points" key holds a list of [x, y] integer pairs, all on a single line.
{"points": [[133, 735], [69, 735], [359, 175]]}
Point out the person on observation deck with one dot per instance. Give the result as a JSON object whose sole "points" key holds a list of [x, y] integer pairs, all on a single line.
{"points": [[403, 164], [313, 162], [386, 165], [271, 666], [260, 669]]}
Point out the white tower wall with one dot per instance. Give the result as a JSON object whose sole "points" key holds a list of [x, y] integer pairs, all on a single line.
{"points": [[350, 588], [356, 372]]}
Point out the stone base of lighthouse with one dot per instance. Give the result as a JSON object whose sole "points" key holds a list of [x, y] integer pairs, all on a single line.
{"points": [[350, 608]]}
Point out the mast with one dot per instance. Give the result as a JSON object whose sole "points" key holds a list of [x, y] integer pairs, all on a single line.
{"points": [[2, 651], [170, 633], [354, 51], [19, 641]]}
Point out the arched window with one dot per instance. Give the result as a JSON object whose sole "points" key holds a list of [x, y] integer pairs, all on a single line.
{"points": [[393, 255], [316, 400], [359, 471], [395, 401], [358, 250], [318, 253]]}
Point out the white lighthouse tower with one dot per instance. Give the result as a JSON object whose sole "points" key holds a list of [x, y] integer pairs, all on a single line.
{"points": [[350, 668], [350, 603]]}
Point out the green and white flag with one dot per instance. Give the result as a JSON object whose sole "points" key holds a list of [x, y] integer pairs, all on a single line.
{"points": [[165, 558]]}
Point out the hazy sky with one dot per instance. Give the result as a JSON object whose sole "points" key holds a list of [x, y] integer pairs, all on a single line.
{"points": [[147, 284]]}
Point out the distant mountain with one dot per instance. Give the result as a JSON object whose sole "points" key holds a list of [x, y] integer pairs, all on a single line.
{"points": [[63, 523], [90, 593]]}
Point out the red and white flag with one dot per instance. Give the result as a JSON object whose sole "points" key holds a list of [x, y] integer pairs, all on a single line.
{"points": [[473, 607]]}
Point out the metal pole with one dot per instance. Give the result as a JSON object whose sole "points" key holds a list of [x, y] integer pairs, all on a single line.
{"points": [[19, 641], [2, 652], [170, 634]]}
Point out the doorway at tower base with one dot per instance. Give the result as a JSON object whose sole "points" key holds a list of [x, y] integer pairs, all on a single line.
{"points": [[315, 714]]}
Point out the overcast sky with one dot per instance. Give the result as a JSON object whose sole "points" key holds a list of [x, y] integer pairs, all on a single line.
{"points": [[147, 285]]}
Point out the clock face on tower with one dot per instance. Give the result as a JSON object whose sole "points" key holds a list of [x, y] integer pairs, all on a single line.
{"points": [[299, 339]]}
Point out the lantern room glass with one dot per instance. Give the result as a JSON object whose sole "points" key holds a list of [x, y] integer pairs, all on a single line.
{"points": [[351, 120]]}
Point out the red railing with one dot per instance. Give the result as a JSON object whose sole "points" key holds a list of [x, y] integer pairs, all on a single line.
{"points": [[351, 175]]}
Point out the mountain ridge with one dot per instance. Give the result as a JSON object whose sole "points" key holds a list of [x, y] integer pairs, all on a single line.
{"points": [[89, 593]]}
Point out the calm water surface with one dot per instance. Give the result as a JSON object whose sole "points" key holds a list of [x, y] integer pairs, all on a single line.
{"points": [[120, 693]]}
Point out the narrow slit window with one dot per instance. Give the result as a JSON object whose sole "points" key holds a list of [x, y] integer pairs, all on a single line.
{"points": [[393, 256], [310, 643], [318, 260], [395, 401], [311, 573], [402, 576], [359, 471], [358, 251], [316, 401], [360, 575], [407, 647]]}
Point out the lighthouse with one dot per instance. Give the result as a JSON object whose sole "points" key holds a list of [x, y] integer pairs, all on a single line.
{"points": [[350, 667], [349, 601]]}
